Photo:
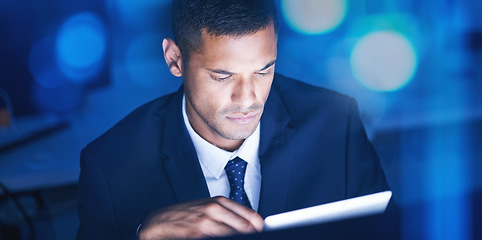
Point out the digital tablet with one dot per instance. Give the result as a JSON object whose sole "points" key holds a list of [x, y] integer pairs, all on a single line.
{"points": [[349, 208]]}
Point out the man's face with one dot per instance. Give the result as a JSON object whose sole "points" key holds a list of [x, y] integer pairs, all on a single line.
{"points": [[227, 84]]}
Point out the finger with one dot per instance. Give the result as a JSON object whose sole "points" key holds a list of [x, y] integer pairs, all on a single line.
{"points": [[223, 215], [204, 228], [246, 216], [185, 227], [213, 228], [247, 213]]}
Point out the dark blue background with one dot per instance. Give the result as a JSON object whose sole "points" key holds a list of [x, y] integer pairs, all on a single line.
{"points": [[428, 133]]}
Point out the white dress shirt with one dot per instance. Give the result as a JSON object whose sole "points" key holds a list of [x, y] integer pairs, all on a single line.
{"points": [[214, 159]]}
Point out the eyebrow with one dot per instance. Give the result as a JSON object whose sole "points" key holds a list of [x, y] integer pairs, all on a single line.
{"points": [[224, 72]]}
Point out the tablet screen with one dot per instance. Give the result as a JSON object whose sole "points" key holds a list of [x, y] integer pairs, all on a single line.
{"points": [[349, 208]]}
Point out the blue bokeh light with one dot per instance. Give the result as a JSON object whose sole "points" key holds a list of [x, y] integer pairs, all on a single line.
{"points": [[384, 61], [81, 46], [314, 16]]}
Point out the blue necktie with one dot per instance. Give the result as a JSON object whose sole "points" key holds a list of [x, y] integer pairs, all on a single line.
{"points": [[235, 169]]}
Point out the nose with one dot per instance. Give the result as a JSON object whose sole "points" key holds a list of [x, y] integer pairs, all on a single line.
{"points": [[244, 93]]}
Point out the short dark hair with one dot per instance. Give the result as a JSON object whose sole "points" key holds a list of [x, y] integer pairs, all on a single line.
{"points": [[219, 17]]}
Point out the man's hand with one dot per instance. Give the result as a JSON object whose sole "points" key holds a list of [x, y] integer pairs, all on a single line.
{"points": [[213, 217]]}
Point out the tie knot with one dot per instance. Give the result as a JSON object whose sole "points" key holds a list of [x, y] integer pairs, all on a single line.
{"points": [[235, 170], [236, 164]]}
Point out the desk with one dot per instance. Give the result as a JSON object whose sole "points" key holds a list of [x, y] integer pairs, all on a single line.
{"points": [[49, 161]]}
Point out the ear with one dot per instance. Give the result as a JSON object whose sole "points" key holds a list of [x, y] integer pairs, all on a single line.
{"points": [[172, 55]]}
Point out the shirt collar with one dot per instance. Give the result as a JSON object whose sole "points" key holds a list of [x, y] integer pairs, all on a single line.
{"points": [[214, 158]]}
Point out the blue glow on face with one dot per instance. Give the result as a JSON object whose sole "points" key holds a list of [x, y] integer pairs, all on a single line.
{"points": [[384, 60], [314, 16], [81, 46]]}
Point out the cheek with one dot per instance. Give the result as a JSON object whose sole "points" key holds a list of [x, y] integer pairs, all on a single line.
{"points": [[196, 86], [208, 99]]}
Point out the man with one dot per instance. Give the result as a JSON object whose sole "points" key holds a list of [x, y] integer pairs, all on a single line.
{"points": [[168, 164]]}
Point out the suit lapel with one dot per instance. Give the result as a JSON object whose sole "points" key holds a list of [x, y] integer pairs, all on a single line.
{"points": [[275, 163], [181, 164]]}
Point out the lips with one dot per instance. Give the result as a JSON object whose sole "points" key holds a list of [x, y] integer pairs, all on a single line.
{"points": [[242, 118]]}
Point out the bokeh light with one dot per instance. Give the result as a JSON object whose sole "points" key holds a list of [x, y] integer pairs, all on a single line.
{"points": [[81, 46], [314, 16], [384, 60]]}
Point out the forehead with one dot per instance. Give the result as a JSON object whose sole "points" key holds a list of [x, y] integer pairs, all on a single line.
{"points": [[236, 52]]}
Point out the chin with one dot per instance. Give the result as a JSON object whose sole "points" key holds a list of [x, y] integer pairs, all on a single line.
{"points": [[240, 134]]}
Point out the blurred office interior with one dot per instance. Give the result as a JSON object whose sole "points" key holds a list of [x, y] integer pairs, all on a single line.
{"points": [[69, 70]]}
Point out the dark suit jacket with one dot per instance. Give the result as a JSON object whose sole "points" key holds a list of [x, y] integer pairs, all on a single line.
{"points": [[313, 150]]}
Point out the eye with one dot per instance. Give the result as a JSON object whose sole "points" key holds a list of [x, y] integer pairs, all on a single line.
{"points": [[264, 73], [222, 79]]}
